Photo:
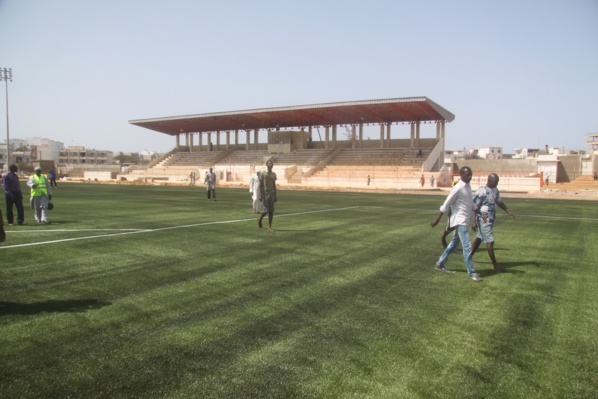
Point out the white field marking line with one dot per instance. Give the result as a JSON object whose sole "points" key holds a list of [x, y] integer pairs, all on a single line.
{"points": [[556, 217], [66, 230], [517, 215], [162, 228]]}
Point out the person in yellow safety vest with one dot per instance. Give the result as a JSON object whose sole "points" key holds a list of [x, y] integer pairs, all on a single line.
{"points": [[41, 194]]}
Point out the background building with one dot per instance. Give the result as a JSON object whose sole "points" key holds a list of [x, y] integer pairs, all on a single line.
{"points": [[77, 155]]}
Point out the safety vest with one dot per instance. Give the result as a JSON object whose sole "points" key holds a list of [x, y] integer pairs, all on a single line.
{"points": [[42, 187]]}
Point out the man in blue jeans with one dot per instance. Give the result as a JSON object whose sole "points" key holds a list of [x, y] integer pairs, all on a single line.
{"points": [[460, 203]]}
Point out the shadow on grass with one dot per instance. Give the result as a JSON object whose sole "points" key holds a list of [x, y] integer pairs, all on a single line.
{"points": [[507, 268], [70, 305], [508, 265]]}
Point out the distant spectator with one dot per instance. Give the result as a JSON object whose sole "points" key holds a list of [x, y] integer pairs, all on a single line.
{"points": [[368, 180], [420, 153], [210, 181], [431, 181], [52, 176], [422, 180]]}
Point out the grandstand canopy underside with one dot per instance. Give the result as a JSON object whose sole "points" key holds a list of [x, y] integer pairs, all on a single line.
{"points": [[388, 111]]}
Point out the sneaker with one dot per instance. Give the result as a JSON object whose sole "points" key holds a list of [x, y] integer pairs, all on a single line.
{"points": [[442, 269], [475, 277]]}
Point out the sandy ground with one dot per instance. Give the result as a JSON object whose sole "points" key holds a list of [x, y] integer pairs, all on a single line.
{"points": [[573, 191]]}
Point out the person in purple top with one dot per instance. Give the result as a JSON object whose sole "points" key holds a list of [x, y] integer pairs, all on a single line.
{"points": [[13, 195]]}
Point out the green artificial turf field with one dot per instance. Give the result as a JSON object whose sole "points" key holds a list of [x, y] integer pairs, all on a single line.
{"points": [[154, 292]]}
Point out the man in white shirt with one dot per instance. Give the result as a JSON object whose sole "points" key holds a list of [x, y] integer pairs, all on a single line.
{"points": [[210, 181], [460, 203], [254, 189]]}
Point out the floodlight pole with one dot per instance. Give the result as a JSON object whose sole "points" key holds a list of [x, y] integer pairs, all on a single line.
{"points": [[6, 75]]}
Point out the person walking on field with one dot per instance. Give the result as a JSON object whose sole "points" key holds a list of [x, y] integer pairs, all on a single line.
{"points": [[484, 207], [267, 194], [448, 229], [422, 180], [210, 181], [52, 175], [460, 203], [254, 189], [41, 194], [13, 195]]}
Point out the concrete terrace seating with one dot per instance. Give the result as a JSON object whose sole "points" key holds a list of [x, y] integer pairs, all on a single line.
{"points": [[381, 156], [349, 166], [190, 159], [248, 157], [305, 158]]}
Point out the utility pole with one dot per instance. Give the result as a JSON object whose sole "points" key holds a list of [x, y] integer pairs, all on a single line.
{"points": [[6, 75]]}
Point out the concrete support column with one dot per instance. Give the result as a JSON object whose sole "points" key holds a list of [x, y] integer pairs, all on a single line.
{"points": [[236, 139], [256, 138], [217, 140], [191, 137], [437, 130], [360, 135], [227, 139], [442, 129], [388, 125], [200, 140], [382, 135], [412, 136], [417, 133], [334, 135], [247, 138], [327, 136], [178, 141], [353, 135]]}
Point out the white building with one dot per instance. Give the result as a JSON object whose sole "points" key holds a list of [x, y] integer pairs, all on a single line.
{"points": [[31, 150], [489, 152], [451, 155], [44, 149], [523, 153]]}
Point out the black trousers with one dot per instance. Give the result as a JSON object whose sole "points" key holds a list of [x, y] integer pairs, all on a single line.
{"points": [[15, 199]]}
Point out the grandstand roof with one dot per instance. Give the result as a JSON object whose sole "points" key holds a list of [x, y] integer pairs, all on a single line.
{"points": [[412, 109]]}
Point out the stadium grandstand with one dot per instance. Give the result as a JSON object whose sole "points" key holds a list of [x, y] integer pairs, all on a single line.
{"points": [[322, 145], [305, 143]]}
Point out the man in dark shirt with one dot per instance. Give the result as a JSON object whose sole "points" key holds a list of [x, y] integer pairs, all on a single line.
{"points": [[13, 195], [267, 194]]}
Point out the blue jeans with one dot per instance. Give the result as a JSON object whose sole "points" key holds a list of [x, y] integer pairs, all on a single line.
{"points": [[461, 234]]}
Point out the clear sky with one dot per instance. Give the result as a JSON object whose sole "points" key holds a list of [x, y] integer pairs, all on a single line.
{"points": [[516, 73]]}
